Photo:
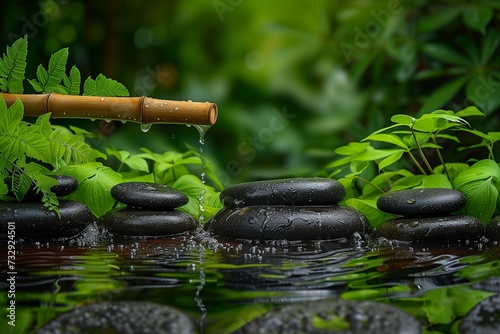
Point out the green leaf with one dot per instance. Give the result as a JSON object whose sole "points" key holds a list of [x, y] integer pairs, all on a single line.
{"points": [[477, 17], [72, 82], [103, 86], [425, 124], [481, 170], [71, 148], [95, 183], [402, 119], [442, 95], [489, 45], [469, 111], [435, 181], [13, 66], [192, 187], [369, 209], [48, 80], [438, 19], [387, 138], [445, 54], [482, 196], [371, 155], [352, 148], [390, 160]]}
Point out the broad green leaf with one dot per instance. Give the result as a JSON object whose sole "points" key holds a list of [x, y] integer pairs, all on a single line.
{"points": [[120, 155], [352, 148], [407, 182], [445, 54], [477, 17], [435, 181], [402, 119], [453, 169], [442, 95], [369, 209], [192, 187], [137, 163], [387, 138], [481, 170], [13, 66], [424, 124], [469, 111], [371, 155], [103, 86], [482, 196], [383, 181], [390, 160]]}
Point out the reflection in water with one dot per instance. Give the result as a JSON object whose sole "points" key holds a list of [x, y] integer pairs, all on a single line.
{"points": [[224, 283]]}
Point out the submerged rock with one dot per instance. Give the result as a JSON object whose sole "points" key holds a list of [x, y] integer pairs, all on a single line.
{"points": [[34, 222], [288, 222], [148, 195], [296, 191], [127, 317], [483, 318], [425, 202], [328, 316], [432, 229], [147, 223]]}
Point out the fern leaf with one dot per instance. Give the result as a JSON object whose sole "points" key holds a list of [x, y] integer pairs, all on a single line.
{"points": [[10, 118], [21, 183], [13, 66], [74, 81], [49, 79], [103, 86], [71, 148]]}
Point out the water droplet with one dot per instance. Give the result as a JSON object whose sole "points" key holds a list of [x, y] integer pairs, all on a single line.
{"points": [[92, 119], [107, 120], [410, 201], [102, 98], [145, 127], [124, 121], [147, 105], [176, 108]]}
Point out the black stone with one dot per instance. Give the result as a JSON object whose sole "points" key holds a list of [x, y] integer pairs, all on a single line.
{"points": [[124, 317], [493, 229], [483, 318], [34, 222], [282, 222], [65, 186], [332, 316], [432, 229], [425, 202], [151, 196], [296, 191], [147, 223]]}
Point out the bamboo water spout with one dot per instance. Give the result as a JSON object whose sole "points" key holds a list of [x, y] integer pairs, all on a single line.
{"points": [[145, 110]]}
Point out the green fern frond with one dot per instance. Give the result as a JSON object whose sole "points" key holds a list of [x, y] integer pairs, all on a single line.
{"points": [[13, 66], [49, 79], [71, 148], [103, 86], [21, 182], [72, 82]]}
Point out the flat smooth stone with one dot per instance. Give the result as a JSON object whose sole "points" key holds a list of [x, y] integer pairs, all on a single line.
{"points": [[131, 222], [296, 191], [282, 222], [332, 316], [34, 222], [493, 229], [127, 317], [432, 229], [482, 318], [148, 195], [425, 202]]}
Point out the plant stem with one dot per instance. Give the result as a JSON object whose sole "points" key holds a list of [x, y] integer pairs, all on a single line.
{"points": [[368, 182], [412, 157], [420, 152], [441, 158]]}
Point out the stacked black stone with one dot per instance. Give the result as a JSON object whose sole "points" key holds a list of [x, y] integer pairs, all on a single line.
{"points": [[493, 229], [427, 216], [33, 222], [286, 209], [150, 211]]}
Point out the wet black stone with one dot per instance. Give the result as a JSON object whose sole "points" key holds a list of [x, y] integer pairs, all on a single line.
{"points": [[297, 191], [493, 229], [125, 317], [147, 223], [332, 316], [426, 202], [65, 186], [34, 222], [483, 318], [147, 195], [432, 229], [282, 222]]}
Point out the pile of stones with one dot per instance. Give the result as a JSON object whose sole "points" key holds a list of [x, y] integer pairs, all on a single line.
{"points": [[150, 211], [33, 222], [426, 216], [291, 209]]}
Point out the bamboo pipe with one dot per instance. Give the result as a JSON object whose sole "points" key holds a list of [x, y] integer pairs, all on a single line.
{"points": [[141, 109]]}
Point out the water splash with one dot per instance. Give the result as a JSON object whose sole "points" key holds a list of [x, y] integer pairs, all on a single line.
{"points": [[145, 127]]}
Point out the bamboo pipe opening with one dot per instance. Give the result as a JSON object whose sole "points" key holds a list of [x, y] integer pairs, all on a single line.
{"points": [[131, 109]]}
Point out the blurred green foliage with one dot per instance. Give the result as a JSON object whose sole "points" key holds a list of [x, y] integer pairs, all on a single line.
{"points": [[293, 80]]}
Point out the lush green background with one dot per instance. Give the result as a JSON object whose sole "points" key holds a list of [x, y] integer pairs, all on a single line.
{"points": [[340, 68]]}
